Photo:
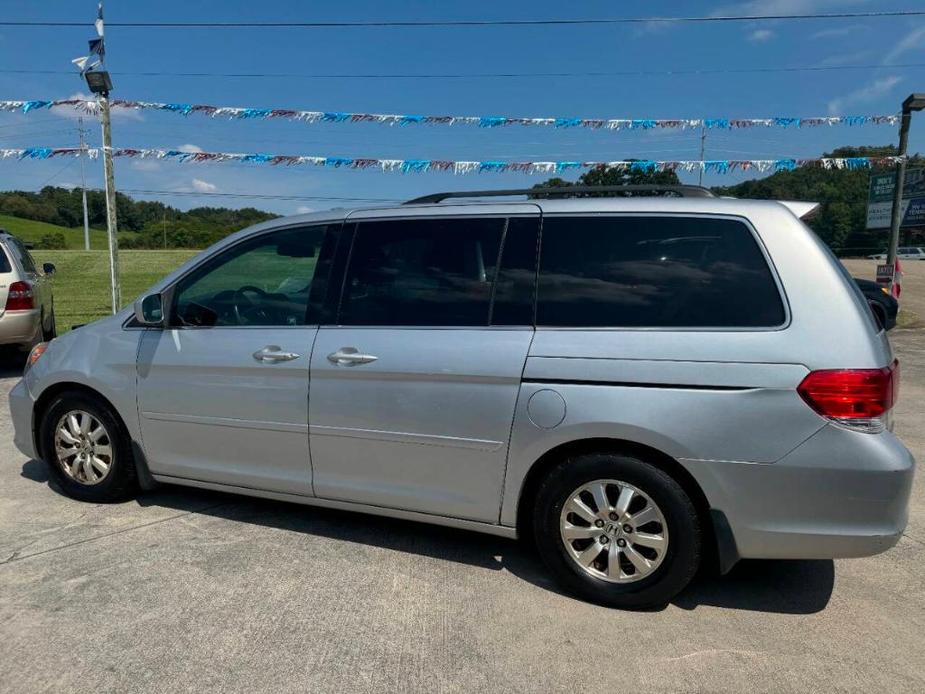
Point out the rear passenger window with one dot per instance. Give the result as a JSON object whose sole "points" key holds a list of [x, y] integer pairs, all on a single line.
{"points": [[25, 259], [4, 262], [663, 272], [422, 272]]}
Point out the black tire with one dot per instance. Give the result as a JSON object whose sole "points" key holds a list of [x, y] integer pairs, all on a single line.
{"points": [[681, 560], [50, 333], [121, 481]]}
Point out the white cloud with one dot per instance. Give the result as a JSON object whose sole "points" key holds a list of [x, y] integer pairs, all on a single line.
{"points": [[201, 186], [649, 28], [761, 35], [765, 7], [847, 58], [912, 41], [836, 32], [146, 165], [192, 149], [304, 209], [873, 91]]}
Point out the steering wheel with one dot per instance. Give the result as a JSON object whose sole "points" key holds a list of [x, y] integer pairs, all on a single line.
{"points": [[248, 305]]}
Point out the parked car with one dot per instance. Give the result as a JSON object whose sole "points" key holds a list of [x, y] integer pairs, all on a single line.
{"points": [[903, 253], [27, 309], [633, 383], [882, 304]]}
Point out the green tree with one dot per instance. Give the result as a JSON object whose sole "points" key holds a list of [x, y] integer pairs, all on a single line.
{"points": [[613, 176], [842, 194]]}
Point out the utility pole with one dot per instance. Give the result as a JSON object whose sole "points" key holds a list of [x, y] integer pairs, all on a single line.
{"points": [[83, 183], [703, 147], [914, 102], [100, 83], [110, 202]]}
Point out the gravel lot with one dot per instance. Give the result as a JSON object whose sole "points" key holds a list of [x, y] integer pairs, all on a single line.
{"points": [[185, 590]]}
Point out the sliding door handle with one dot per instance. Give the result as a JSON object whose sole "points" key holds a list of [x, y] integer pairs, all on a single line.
{"points": [[273, 353], [350, 356]]}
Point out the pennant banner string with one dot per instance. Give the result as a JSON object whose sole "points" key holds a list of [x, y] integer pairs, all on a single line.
{"points": [[719, 166], [236, 113]]}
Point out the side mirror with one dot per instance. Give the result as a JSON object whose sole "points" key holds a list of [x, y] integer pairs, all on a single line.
{"points": [[48, 268], [149, 310]]}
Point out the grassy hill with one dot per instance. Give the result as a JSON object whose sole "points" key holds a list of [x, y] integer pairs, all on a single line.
{"points": [[30, 230], [81, 282]]}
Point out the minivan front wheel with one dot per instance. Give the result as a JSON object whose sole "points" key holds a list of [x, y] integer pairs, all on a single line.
{"points": [[617, 530], [87, 449]]}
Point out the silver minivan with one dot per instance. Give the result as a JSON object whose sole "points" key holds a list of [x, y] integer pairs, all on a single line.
{"points": [[636, 384]]}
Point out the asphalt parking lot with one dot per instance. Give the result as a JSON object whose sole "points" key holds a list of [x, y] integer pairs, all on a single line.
{"points": [[185, 590]]}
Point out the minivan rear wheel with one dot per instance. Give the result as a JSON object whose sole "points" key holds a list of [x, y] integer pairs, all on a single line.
{"points": [[87, 449], [617, 530]]}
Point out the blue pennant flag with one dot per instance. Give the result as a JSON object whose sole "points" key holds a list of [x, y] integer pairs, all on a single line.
{"points": [[338, 161], [185, 109], [643, 165], [36, 153], [415, 165], [30, 105], [255, 113]]}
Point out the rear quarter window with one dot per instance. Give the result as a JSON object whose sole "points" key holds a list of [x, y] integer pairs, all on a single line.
{"points": [[660, 272], [4, 261]]}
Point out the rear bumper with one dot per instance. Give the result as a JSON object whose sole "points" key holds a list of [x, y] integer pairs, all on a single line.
{"points": [[839, 494], [21, 404], [19, 327]]}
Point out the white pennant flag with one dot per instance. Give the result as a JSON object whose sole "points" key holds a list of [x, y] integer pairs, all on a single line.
{"points": [[99, 20]]}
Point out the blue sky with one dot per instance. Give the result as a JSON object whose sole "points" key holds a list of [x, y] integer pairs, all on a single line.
{"points": [[736, 45]]}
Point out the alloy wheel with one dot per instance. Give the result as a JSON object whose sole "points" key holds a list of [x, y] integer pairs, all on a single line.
{"points": [[83, 447], [613, 531]]}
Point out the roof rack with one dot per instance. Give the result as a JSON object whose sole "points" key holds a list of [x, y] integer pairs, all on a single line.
{"points": [[567, 192]]}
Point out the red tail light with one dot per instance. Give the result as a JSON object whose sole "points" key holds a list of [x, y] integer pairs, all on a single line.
{"points": [[20, 297], [851, 394]]}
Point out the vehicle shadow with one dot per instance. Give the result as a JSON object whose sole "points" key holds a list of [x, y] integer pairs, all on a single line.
{"points": [[784, 587], [12, 361]]}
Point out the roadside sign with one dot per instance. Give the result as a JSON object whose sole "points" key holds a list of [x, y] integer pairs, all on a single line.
{"points": [[880, 200], [884, 274]]}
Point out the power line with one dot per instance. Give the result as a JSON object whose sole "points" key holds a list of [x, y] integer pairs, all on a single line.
{"points": [[254, 196], [383, 24], [492, 75]]}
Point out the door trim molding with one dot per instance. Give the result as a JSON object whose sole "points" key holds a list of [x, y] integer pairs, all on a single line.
{"points": [[226, 422], [406, 437]]}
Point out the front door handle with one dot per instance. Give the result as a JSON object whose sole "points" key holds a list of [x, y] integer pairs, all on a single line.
{"points": [[350, 356], [273, 353]]}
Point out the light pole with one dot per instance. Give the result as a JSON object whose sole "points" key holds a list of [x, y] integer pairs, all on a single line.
{"points": [[914, 102], [100, 84]]}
